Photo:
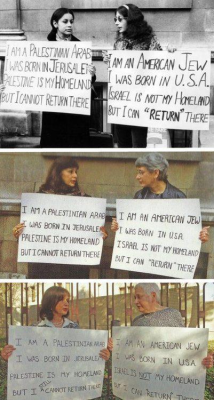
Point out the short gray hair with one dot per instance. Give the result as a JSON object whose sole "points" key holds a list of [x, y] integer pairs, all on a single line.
{"points": [[153, 161], [148, 288]]}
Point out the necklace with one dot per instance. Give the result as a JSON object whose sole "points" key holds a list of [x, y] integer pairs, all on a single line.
{"points": [[58, 324]]}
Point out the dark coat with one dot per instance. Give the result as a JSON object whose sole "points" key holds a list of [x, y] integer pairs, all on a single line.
{"points": [[171, 192], [63, 130]]}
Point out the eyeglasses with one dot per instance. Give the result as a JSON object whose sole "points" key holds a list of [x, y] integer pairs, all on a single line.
{"points": [[119, 19]]}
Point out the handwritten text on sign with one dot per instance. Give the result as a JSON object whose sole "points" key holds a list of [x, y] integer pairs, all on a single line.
{"points": [[55, 363], [160, 363], [159, 89], [61, 229], [43, 76], [158, 236]]}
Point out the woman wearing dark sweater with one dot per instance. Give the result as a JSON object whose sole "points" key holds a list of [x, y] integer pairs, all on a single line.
{"points": [[61, 180], [63, 130]]}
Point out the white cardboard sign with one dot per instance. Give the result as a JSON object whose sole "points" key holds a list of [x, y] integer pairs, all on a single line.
{"points": [[48, 76], [61, 229], [55, 363], [159, 89], [160, 363], [158, 237]]}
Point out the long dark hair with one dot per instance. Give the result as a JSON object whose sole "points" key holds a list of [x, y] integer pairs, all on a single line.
{"points": [[50, 299], [54, 182], [137, 27], [58, 14]]}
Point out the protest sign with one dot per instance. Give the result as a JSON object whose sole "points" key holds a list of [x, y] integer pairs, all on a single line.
{"points": [[160, 363], [48, 76], [159, 89], [158, 237], [61, 229], [55, 363]]}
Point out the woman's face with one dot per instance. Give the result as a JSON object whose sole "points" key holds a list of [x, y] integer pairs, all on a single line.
{"points": [[121, 23], [62, 306], [145, 177], [69, 176], [143, 301], [64, 25]]}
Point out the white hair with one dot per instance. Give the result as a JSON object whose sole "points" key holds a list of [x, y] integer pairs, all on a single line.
{"points": [[153, 161], [148, 288]]}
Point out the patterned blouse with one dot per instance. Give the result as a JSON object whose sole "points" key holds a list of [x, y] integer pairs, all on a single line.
{"points": [[45, 323], [167, 317], [136, 44]]}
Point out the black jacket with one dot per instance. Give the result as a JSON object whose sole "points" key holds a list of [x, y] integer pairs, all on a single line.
{"points": [[171, 192]]}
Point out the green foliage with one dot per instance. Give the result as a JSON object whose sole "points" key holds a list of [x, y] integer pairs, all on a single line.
{"points": [[3, 374]]}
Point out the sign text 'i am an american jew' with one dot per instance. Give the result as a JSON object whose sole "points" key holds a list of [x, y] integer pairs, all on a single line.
{"points": [[158, 237], [159, 363]]}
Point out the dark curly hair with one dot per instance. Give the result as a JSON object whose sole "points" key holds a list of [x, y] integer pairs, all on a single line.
{"points": [[58, 14], [137, 27], [50, 299], [54, 182]]}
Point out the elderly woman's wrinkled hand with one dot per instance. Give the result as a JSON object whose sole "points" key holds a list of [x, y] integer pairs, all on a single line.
{"points": [[114, 225], [104, 354], [208, 361], [104, 232], [7, 351], [18, 229], [204, 234], [110, 344]]}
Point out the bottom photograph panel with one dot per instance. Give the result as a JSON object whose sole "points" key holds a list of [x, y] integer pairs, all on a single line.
{"points": [[121, 215], [110, 340]]}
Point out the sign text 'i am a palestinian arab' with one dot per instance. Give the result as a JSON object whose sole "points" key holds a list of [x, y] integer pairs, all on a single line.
{"points": [[61, 229], [42, 76], [50, 363]]}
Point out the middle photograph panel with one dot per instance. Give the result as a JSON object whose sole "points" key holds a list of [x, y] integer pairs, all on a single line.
{"points": [[116, 215]]}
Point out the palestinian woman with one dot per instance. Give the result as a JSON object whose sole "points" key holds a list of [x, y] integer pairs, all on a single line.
{"points": [[54, 314], [62, 129], [61, 180], [152, 176], [134, 33]]}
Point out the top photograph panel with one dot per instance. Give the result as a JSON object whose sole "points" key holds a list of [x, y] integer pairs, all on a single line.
{"points": [[90, 75]]}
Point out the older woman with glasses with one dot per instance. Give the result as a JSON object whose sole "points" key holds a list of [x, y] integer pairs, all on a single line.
{"points": [[152, 313], [152, 176]]}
